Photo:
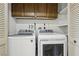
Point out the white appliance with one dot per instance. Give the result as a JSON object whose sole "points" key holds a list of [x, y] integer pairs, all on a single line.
{"points": [[52, 44], [21, 45]]}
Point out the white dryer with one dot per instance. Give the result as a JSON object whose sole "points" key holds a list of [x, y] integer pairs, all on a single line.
{"points": [[52, 44]]}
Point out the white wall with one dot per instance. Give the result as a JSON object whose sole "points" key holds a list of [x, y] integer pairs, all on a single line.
{"points": [[12, 23], [56, 24], [61, 6], [48, 26]]}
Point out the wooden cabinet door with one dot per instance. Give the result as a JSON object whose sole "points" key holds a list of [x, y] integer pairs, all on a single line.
{"points": [[29, 10], [40, 10], [52, 10], [17, 10]]}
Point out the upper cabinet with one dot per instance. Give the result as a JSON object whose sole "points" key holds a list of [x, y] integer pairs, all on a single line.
{"points": [[17, 10], [40, 10], [29, 10], [52, 10], [36, 10]]}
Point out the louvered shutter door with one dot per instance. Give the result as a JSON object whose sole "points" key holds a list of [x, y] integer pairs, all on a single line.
{"points": [[3, 28], [74, 29]]}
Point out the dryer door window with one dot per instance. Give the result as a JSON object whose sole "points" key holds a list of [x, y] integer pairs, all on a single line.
{"points": [[53, 49]]}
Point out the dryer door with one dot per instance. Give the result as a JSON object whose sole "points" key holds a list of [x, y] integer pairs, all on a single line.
{"points": [[53, 48]]}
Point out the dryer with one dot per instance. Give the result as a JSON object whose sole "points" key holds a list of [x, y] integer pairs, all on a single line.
{"points": [[52, 44]]}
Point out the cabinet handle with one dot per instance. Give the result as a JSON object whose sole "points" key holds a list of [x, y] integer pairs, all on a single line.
{"points": [[74, 41], [31, 40]]}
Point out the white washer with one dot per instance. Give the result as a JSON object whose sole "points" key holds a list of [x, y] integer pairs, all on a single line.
{"points": [[21, 45], [52, 44]]}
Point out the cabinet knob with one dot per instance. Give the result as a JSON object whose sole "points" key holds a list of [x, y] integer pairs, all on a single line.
{"points": [[74, 41], [31, 40]]}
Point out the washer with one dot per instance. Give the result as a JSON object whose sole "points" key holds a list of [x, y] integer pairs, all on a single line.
{"points": [[21, 45]]}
